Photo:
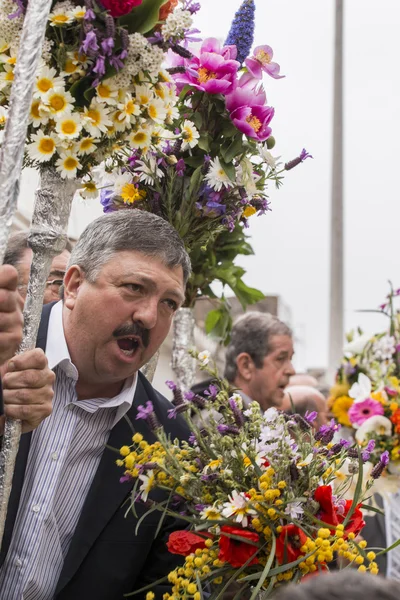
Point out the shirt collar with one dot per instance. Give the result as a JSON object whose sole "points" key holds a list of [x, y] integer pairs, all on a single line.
{"points": [[58, 355]]}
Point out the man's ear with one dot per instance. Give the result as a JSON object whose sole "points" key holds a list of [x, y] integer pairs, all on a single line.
{"points": [[73, 280], [245, 366]]}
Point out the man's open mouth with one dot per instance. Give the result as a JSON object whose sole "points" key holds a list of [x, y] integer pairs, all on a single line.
{"points": [[129, 345]]}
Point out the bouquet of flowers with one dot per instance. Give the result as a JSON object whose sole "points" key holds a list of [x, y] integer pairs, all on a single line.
{"points": [[98, 58], [258, 492], [366, 395], [207, 169]]}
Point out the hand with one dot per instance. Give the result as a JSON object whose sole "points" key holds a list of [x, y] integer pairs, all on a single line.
{"points": [[28, 389], [11, 320]]}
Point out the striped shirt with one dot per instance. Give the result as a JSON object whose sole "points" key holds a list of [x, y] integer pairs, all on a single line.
{"points": [[63, 458]]}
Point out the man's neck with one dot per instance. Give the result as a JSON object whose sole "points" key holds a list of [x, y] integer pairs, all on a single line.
{"points": [[85, 390]]}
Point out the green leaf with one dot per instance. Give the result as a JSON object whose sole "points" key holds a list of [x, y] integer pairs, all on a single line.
{"points": [[195, 182], [212, 319], [204, 142], [78, 90], [266, 570], [143, 18], [194, 161], [246, 295], [229, 170], [234, 149], [197, 119]]}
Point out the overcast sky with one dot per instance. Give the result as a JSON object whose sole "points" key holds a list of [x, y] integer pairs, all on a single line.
{"points": [[292, 242]]}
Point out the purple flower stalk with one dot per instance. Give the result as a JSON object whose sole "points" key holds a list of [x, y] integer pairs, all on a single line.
{"points": [[89, 44], [228, 429], [296, 161], [311, 416], [241, 33], [147, 413], [237, 413], [380, 467]]}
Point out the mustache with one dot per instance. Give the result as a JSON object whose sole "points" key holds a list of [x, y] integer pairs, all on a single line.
{"points": [[133, 329]]}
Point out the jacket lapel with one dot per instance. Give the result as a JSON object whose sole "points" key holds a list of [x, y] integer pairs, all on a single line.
{"points": [[106, 494], [23, 452]]}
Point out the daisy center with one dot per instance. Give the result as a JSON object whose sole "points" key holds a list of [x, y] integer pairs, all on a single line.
{"points": [[104, 91], [254, 123], [263, 57], [9, 76], [57, 103], [70, 163], [44, 84], [95, 116], [86, 144], [68, 127], [130, 193], [153, 111], [35, 110], [46, 146], [70, 67], [130, 108], [205, 75], [90, 186], [60, 19], [139, 137]]}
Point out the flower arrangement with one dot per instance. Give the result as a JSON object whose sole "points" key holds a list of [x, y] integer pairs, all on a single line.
{"points": [[258, 492], [207, 170], [366, 396], [97, 59]]}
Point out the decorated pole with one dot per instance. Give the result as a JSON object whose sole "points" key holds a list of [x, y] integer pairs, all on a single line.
{"points": [[183, 364], [11, 158]]}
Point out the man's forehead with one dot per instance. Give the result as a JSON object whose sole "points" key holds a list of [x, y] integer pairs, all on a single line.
{"points": [[280, 343]]}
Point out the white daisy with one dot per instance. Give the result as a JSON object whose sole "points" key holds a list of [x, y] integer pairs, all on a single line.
{"points": [[149, 170], [190, 135], [67, 165], [157, 111], [128, 110], [89, 190], [143, 94], [6, 76], [171, 114], [107, 92], [267, 156], [147, 485], [204, 358], [86, 145], [140, 138], [79, 13], [8, 60], [42, 147], [238, 506], [216, 176], [68, 126], [58, 101], [60, 17], [3, 116], [36, 116], [96, 119], [46, 80]]}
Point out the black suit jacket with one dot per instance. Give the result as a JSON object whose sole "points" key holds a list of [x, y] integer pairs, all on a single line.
{"points": [[106, 559]]}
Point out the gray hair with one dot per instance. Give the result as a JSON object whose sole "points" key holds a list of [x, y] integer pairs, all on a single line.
{"points": [[128, 229], [349, 584], [17, 245], [252, 333]]}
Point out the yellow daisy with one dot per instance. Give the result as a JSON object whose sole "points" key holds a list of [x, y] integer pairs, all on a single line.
{"points": [[140, 138], [60, 18], [340, 410], [249, 211], [86, 145], [59, 101], [46, 80], [36, 116], [68, 126], [130, 193], [42, 147], [107, 93], [67, 165], [89, 190]]}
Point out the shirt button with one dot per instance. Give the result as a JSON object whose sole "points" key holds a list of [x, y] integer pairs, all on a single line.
{"points": [[18, 562], [36, 508], [54, 456]]}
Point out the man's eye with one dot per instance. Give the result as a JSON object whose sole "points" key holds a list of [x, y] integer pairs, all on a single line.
{"points": [[171, 304], [134, 287]]}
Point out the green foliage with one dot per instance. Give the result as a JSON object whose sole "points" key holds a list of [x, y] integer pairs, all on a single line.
{"points": [[144, 17]]}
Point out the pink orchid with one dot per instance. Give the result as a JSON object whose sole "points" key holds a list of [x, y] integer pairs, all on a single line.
{"points": [[262, 61], [249, 112]]}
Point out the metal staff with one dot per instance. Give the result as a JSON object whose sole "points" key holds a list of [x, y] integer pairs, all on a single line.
{"points": [[11, 157]]}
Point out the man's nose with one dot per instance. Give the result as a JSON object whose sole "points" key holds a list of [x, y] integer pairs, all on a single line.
{"points": [[290, 370], [146, 313]]}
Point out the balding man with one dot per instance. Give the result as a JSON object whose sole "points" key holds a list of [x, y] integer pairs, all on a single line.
{"points": [[306, 398], [303, 379]]}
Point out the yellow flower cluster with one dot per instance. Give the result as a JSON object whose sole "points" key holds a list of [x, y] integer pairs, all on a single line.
{"points": [[197, 565]]}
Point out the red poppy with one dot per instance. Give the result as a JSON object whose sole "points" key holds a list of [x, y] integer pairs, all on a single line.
{"points": [[235, 552], [118, 8], [327, 511], [356, 522], [288, 544], [184, 542]]}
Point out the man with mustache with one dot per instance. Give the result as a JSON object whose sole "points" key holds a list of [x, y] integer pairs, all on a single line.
{"points": [[66, 533]]}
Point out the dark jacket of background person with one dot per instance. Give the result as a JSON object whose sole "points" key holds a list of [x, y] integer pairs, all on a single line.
{"points": [[106, 559]]}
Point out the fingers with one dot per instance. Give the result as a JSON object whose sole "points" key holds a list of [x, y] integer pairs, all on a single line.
{"points": [[8, 278], [28, 389], [31, 359]]}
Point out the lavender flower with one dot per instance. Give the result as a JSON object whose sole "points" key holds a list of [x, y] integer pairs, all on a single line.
{"points": [[89, 45], [238, 415], [180, 167], [296, 161], [181, 408], [366, 453], [228, 429], [196, 399], [147, 413], [326, 432], [380, 467], [241, 33], [311, 416]]}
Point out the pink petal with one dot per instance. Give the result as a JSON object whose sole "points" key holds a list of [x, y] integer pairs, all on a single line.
{"points": [[211, 45], [254, 67]]}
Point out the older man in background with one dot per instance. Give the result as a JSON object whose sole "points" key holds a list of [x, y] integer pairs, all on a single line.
{"points": [[19, 255], [259, 358]]}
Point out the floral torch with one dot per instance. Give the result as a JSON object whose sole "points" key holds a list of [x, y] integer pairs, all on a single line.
{"points": [[50, 217]]}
